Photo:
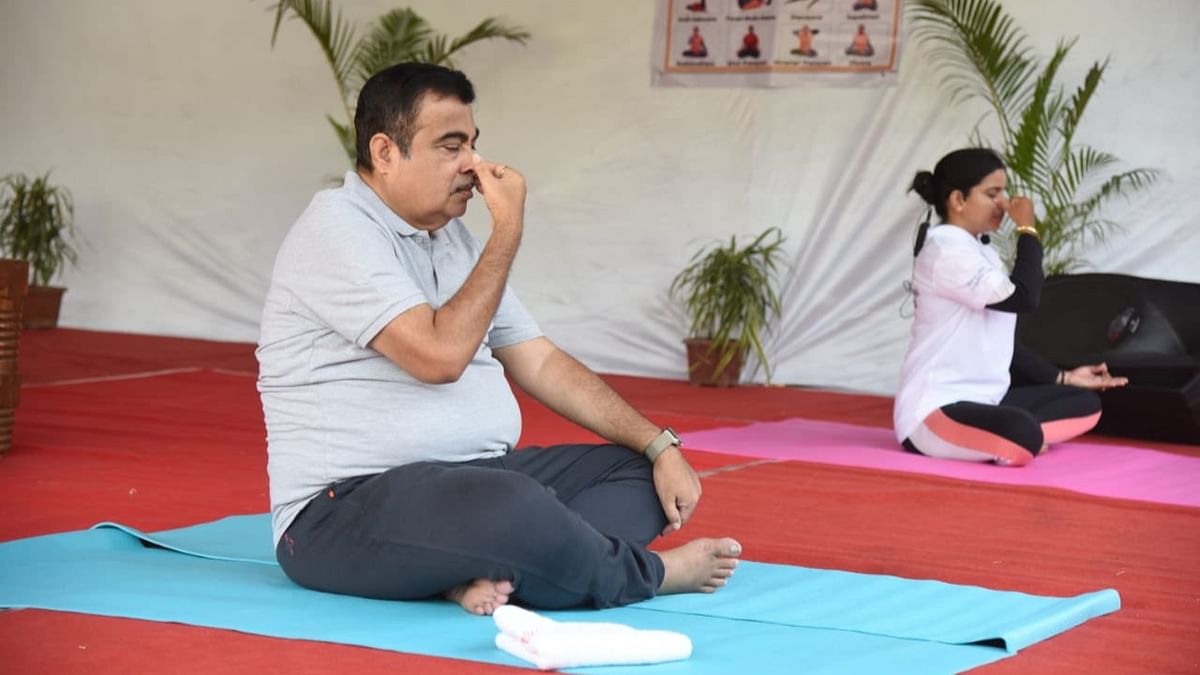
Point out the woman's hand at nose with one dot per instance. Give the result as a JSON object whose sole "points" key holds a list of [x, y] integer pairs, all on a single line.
{"points": [[1020, 209]]}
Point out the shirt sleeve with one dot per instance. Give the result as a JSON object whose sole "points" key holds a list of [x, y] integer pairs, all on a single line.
{"points": [[1027, 278], [349, 277], [513, 324], [964, 274]]}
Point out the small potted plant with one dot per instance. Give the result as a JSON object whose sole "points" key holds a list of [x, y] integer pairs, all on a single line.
{"points": [[729, 293], [37, 225]]}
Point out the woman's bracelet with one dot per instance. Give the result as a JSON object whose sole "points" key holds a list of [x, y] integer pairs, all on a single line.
{"points": [[1030, 230]]}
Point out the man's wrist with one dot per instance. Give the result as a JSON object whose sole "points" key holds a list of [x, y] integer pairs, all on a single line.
{"points": [[666, 439]]}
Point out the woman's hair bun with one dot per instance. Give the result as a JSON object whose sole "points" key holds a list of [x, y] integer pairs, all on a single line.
{"points": [[922, 184]]}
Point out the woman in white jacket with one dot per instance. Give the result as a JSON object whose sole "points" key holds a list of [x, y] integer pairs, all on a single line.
{"points": [[967, 390]]}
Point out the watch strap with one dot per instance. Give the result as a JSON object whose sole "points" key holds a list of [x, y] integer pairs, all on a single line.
{"points": [[661, 442]]}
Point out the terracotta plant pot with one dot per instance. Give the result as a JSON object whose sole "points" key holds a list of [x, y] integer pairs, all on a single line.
{"points": [[41, 306], [702, 363]]}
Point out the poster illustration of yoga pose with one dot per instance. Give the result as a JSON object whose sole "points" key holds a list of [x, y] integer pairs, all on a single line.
{"points": [[773, 43]]}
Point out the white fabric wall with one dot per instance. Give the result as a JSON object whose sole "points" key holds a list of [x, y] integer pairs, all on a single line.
{"points": [[191, 146]]}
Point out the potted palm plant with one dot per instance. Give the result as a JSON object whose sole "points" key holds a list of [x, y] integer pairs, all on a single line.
{"points": [[983, 55], [729, 293], [397, 36], [37, 225]]}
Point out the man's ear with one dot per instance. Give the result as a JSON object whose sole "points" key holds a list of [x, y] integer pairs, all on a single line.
{"points": [[382, 151]]}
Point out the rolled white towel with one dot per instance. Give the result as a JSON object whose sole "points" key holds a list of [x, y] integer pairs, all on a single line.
{"points": [[550, 644]]}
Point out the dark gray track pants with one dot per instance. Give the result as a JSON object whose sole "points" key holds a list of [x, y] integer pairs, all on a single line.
{"points": [[567, 524]]}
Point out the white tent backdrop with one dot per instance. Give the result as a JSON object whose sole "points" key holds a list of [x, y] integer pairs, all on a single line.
{"points": [[190, 147]]}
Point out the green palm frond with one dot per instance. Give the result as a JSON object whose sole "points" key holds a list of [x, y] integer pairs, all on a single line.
{"points": [[345, 135], [397, 36], [488, 29], [1077, 167], [1030, 154], [1117, 185], [434, 50], [334, 35], [983, 55], [981, 49], [1080, 100]]}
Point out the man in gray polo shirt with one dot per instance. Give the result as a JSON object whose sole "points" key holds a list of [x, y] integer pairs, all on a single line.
{"points": [[386, 336]]}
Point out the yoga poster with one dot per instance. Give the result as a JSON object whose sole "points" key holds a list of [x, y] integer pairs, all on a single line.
{"points": [[776, 43]]}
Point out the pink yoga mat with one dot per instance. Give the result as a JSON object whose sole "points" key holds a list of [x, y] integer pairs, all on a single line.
{"points": [[1102, 470]]}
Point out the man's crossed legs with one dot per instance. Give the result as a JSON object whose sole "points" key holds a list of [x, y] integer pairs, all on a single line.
{"points": [[553, 527]]}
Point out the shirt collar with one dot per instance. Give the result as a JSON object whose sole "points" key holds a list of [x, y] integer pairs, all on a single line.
{"points": [[362, 194]]}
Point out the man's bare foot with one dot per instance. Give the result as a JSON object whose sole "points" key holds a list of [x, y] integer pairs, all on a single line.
{"points": [[701, 565], [481, 596]]}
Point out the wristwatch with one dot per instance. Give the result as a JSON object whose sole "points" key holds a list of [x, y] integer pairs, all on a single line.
{"points": [[661, 442]]}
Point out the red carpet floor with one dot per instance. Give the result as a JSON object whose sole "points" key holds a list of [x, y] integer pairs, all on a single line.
{"points": [[188, 446]]}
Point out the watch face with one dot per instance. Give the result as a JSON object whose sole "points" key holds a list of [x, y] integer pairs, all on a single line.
{"points": [[675, 440]]}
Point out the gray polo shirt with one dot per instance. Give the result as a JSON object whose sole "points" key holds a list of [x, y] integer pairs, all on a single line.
{"points": [[334, 407]]}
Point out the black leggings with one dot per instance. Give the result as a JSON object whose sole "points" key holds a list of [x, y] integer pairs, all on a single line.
{"points": [[1012, 432], [568, 525]]}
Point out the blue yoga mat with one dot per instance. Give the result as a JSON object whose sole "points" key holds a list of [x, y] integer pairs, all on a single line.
{"points": [[770, 619]]}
